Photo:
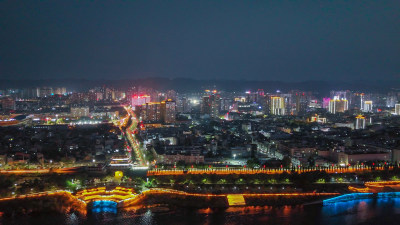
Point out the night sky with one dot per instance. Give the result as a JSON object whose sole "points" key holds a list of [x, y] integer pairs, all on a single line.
{"points": [[253, 40]]}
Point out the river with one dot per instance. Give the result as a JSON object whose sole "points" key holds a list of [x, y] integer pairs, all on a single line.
{"points": [[368, 211]]}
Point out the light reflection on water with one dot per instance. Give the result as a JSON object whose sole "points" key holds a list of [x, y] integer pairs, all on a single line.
{"points": [[367, 211]]}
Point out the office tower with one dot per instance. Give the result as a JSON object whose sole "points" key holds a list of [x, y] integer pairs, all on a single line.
{"points": [[367, 106], [168, 111], [210, 105], [338, 105], [150, 112], [397, 109], [360, 122], [137, 100], [277, 106]]}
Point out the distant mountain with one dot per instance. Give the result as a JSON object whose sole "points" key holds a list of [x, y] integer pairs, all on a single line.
{"points": [[193, 85]]}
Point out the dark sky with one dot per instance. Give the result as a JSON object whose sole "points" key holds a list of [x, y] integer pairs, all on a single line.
{"points": [[253, 40]]}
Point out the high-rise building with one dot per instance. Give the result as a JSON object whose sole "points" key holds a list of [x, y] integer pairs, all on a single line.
{"points": [[397, 109], [210, 105], [338, 105], [151, 112], [168, 111], [44, 92], [139, 100], [360, 122], [367, 106], [277, 106], [183, 105]]}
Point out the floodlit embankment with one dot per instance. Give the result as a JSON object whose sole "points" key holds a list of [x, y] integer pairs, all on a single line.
{"points": [[285, 199], [59, 202], [184, 199]]}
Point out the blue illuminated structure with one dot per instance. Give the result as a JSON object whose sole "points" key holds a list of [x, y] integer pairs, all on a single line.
{"points": [[348, 197], [389, 195], [360, 196], [104, 206]]}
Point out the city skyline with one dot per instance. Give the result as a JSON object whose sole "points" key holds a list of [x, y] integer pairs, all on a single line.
{"points": [[200, 112]]}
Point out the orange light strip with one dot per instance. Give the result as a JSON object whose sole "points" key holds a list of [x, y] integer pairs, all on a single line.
{"points": [[226, 171]]}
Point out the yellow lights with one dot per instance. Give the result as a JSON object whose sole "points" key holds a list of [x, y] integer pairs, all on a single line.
{"points": [[172, 191], [42, 194], [277, 105], [360, 117], [117, 195], [118, 175], [235, 200], [375, 186], [227, 171]]}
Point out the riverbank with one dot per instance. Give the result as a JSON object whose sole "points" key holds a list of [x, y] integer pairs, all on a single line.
{"points": [[49, 202], [65, 202]]}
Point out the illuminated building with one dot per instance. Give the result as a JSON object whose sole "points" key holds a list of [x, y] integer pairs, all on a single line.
{"points": [[210, 105], [391, 99], [358, 100], [7, 103], [79, 111], [317, 119], [168, 111], [397, 109], [367, 106], [338, 105], [120, 162], [344, 158], [184, 105], [277, 106], [99, 96], [174, 158], [43, 92], [299, 102], [60, 91], [139, 100], [341, 94], [151, 112], [360, 122]]}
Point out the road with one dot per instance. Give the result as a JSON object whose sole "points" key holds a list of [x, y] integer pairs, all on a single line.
{"points": [[69, 170], [133, 142]]}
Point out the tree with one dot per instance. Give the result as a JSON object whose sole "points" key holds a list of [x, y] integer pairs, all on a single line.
{"points": [[286, 161], [253, 163]]}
